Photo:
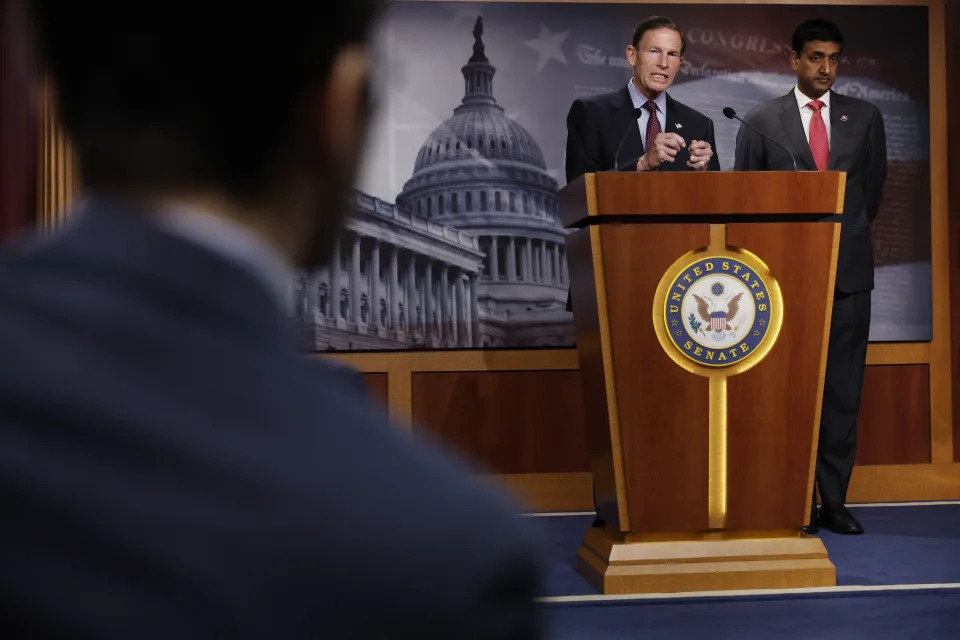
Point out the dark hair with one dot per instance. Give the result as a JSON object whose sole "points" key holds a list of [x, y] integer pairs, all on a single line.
{"points": [[178, 94], [657, 22], [813, 30]]}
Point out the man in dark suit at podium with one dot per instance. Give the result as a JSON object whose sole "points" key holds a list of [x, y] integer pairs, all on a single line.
{"points": [[829, 131], [170, 465], [669, 136], [678, 138]]}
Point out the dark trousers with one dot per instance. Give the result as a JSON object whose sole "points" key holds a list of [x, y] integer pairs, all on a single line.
{"points": [[846, 358]]}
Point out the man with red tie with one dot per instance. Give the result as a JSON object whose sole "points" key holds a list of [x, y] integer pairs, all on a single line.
{"points": [[829, 131]]}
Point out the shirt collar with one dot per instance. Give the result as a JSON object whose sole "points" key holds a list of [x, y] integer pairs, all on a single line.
{"points": [[639, 99], [802, 99], [234, 242]]}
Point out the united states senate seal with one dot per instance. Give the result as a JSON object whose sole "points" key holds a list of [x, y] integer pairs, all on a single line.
{"points": [[716, 310]]}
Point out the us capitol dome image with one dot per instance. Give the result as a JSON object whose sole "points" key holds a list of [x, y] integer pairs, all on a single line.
{"points": [[471, 255]]}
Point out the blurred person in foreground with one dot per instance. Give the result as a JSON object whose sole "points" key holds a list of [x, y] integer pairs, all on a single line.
{"points": [[170, 465]]}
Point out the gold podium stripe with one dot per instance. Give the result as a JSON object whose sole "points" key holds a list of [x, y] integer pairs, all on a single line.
{"points": [[717, 498], [718, 237], [717, 474]]}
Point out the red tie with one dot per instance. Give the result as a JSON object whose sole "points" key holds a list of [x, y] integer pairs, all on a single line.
{"points": [[653, 125], [819, 145]]}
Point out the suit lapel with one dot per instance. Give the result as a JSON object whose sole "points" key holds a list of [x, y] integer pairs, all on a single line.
{"points": [[633, 145], [675, 125], [793, 126], [671, 121], [839, 137]]}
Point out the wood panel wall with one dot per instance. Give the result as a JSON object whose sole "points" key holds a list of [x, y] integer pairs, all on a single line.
{"points": [[17, 124], [894, 425], [952, 21], [518, 416], [376, 384], [507, 421]]}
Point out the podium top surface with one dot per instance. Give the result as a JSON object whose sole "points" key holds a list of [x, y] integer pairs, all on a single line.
{"points": [[721, 195]]}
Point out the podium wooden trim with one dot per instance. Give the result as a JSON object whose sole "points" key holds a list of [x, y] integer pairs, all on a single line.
{"points": [[771, 560], [717, 462], [600, 288], [720, 196]]}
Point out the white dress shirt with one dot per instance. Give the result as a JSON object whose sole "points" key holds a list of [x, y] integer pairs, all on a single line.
{"points": [[638, 101], [806, 113]]}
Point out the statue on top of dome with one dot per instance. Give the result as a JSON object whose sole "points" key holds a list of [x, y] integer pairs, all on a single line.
{"points": [[479, 54]]}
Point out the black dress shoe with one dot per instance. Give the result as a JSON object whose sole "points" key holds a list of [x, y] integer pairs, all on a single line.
{"points": [[836, 518]]}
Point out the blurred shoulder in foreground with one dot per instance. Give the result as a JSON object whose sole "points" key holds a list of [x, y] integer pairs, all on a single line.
{"points": [[170, 465]]}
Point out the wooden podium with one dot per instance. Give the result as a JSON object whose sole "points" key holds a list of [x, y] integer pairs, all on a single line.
{"points": [[702, 306]]}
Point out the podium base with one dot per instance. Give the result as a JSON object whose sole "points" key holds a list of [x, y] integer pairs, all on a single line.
{"points": [[615, 564]]}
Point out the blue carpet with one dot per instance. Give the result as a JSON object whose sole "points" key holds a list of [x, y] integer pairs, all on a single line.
{"points": [[902, 616], [902, 545]]}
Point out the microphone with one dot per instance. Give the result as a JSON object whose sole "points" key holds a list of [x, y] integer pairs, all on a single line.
{"points": [[637, 112], [730, 113]]}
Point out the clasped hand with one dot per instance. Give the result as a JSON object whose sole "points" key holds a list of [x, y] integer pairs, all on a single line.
{"points": [[665, 149]]}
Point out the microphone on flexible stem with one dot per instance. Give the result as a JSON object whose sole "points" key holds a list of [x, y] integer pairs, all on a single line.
{"points": [[730, 113], [637, 112]]}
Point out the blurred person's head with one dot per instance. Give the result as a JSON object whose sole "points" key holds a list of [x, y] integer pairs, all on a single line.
{"points": [[257, 114]]}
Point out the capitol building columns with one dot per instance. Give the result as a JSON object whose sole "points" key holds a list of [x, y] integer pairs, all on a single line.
{"points": [[411, 320], [375, 288], [520, 259], [428, 302], [336, 288], [375, 319], [422, 299], [474, 312], [443, 330], [546, 272], [528, 260], [390, 283], [313, 292], [355, 315], [463, 334], [557, 271], [394, 289]]}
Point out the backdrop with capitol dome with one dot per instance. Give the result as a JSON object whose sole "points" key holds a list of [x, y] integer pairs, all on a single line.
{"points": [[456, 209]]}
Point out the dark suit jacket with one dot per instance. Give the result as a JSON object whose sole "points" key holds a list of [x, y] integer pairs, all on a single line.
{"points": [[171, 467], [857, 145], [596, 125]]}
